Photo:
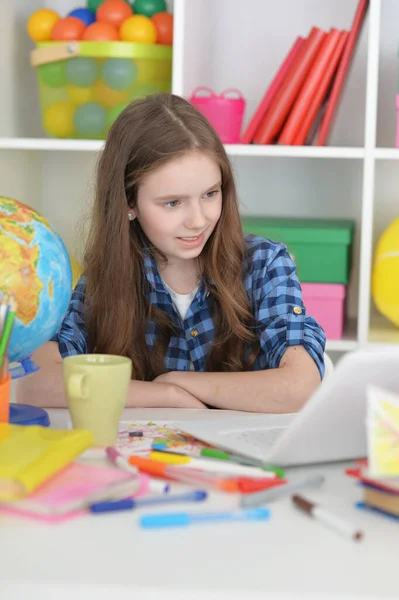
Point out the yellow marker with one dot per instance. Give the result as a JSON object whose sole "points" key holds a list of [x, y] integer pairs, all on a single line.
{"points": [[211, 465], [170, 459]]}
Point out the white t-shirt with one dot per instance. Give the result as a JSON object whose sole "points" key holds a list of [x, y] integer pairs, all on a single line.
{"points": [[182, 303]]}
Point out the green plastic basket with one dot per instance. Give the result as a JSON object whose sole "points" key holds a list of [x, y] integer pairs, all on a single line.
{"points": [[83, 86]]}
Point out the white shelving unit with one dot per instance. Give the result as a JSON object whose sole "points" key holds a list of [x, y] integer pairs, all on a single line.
{"points": [[221, 44]]}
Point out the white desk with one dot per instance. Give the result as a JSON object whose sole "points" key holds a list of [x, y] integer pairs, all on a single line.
{"points": [[289, 556]]}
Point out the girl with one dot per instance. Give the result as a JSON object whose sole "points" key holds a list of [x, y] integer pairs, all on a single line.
{"points": [[208, 315]]}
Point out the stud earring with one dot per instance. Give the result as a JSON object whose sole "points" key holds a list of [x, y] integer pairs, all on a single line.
{"points": [[130, 216]]}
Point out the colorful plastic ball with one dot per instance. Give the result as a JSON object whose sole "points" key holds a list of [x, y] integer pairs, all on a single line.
{"points": [[164, 70], [109, 97], [90, 120], [86, 15], [147, 70], [149, 7], [119, 73], [114, 12], [80, 95], [40, 24], [82, 71], [114, 112], [101, 32], [385, 274], [58, 119], [165, 86], [94, 4], [163, 22], [138, 29], [67, 29], [143, 90], [53, 74]]}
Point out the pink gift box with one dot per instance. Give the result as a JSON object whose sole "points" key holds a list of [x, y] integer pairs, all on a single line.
{"points": [[326, 302]]}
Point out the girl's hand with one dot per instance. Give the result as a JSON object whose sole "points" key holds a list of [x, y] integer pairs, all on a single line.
{"points": [[179, 398]]}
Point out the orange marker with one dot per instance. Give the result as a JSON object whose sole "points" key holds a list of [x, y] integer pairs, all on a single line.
{"points": [[182, 474]]}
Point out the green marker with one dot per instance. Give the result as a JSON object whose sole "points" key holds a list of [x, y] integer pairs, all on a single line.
{"points": [[6, 334], [213, 453]]}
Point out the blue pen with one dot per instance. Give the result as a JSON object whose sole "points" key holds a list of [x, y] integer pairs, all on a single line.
{"points": [[183, 519], [378, 511], [130, 503]]}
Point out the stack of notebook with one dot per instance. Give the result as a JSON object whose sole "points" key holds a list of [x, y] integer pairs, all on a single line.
{"points": [[300, 103], [380, 480], [381, 494]]}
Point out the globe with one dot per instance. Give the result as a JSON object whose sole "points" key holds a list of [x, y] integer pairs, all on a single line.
{"points": [[35, 268]]}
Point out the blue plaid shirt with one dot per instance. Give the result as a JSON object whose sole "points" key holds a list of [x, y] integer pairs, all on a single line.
{"points": [[274, 293]]}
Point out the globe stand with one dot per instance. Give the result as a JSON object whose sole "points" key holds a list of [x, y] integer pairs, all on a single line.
{"points": [[23, 414]]}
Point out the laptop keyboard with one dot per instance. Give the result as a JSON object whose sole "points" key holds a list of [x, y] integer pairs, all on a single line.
{"points": [[257, 438]]}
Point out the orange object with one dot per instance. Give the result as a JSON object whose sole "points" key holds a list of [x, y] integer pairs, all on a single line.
{"points": [[311, 86], [40, 24], [139, 29], [67, 29], [246, 485], [183, 474], [113, 12], [283, 101], [342, 72], [271, 91], [5, 392], [163, 22], [101, 32], [321, 91]]}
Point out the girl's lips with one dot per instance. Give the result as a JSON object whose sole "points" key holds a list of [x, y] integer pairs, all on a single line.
{"points": [[192, 241]]}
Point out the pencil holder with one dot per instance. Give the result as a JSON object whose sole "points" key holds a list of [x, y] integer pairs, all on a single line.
{"points": [[225, 113], [5, 391]]}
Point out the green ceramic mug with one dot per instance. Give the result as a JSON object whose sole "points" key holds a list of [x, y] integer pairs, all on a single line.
{"points": [[96, 387]]}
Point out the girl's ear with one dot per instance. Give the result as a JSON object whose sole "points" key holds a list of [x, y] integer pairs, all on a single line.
{"points": [[131, 215]]}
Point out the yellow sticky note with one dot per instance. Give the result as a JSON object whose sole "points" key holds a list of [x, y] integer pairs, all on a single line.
{"points": [[383, 432]]}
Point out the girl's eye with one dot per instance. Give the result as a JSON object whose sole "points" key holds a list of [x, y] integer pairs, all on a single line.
{"points": [[211, 194], [172, 203]]}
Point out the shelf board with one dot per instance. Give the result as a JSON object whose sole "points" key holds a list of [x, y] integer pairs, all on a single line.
{"points": [[294, 151], [48, 144], [348, 341], [386, 153]]}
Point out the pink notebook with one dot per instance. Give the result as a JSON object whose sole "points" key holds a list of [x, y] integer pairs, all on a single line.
{"points": [[70, 492]]}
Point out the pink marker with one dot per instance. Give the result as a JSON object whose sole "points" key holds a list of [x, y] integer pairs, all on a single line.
{"points": [[147, 485]]}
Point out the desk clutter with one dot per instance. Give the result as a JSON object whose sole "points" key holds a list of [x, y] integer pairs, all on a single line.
{"points": [[53, 476]]}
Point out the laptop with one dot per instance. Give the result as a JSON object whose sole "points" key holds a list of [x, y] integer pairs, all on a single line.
{"points": [[330, 427]]}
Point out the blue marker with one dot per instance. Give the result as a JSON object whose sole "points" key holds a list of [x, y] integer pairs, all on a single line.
{"points": [[130, 503], [183, 519]]}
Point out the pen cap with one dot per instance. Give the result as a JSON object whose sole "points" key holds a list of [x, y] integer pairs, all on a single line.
{"points": [[166, 520]]}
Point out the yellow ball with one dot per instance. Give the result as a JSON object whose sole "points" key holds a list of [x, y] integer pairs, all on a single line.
{"points": [[147, 70], [40, 24], [138, 29], [385, 275], [58, 120], [80, 95], [76, 270], [109, 97]]}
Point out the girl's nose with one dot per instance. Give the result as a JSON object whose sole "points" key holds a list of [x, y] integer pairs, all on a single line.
{"points": [[195, 218]]}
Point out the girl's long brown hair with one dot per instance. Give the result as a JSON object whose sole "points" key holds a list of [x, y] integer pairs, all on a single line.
{"points": [[146, 135]]}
